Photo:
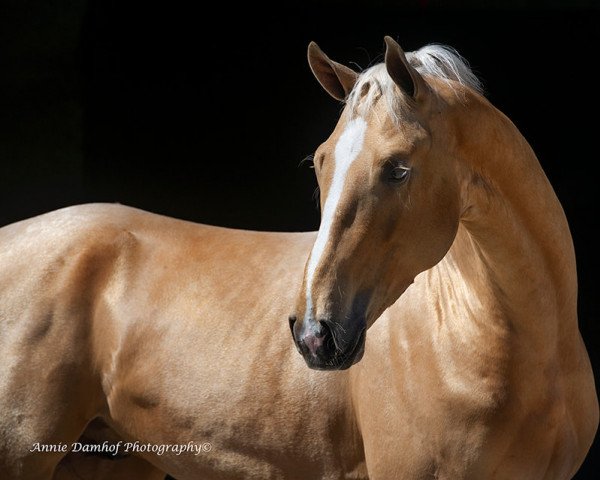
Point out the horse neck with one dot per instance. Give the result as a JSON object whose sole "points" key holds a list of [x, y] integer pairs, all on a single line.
{"points": [[513, 246]]}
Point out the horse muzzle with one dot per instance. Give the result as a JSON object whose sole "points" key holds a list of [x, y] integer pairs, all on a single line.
{"points": [[326, 346]]}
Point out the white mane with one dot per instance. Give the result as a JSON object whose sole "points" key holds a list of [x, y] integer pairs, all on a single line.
{"points": [[438, 61]]}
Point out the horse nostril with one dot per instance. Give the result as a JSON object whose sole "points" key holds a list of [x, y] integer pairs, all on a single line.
{"points": [[323, 330], [328, 334]]}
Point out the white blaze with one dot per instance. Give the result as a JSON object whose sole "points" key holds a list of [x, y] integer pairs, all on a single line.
{"points": [[347, 149]]}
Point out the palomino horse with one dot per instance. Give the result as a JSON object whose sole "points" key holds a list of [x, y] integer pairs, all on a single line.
{"points": [[440, 235]]}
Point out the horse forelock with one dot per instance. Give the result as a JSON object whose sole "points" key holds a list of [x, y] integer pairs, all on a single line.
{"points": [[439, 61]]}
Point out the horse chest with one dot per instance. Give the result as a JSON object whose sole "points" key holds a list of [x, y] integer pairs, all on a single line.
{"points": [[449, 409]]}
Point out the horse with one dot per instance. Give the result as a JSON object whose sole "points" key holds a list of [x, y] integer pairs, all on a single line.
{"points": [[435, 309]]}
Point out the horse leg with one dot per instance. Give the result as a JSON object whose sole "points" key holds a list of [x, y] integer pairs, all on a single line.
{"points": [[47, 395], [79, 466], [40, 416], [35, 433], [104, 466]]}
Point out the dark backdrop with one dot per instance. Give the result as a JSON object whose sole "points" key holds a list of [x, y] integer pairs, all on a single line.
{"points": [[145, 105]]}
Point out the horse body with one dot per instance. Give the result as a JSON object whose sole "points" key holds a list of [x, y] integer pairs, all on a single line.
{"points": [[167, 343], [464, 275]]}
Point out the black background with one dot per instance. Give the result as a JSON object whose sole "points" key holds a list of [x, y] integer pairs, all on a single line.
{"points": [[207, 116]]}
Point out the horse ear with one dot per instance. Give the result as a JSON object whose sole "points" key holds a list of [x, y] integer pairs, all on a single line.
{"points": [[402, 72], [338, 80]]}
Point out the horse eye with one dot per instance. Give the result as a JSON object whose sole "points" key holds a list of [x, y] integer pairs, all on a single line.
{"points": [[399, 174]]}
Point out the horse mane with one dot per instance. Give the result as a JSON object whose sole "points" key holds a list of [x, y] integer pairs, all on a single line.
{"points": [[439, 61]]}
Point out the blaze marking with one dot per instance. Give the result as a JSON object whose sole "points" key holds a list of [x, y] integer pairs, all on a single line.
{"points": [[346, 151]]}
